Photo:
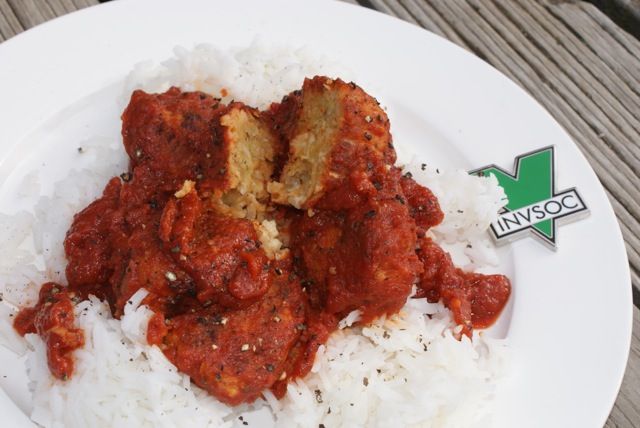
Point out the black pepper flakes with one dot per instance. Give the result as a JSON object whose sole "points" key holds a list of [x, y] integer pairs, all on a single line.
{"points": [[269, 368], [367, 136], [80, 150], [318, 395], [408, 174], [370, 214], [400, 199], [423, 166], [365, 381]]}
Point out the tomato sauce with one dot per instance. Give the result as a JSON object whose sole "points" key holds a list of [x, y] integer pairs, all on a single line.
{"points": [[52, 318], [234, 320]]}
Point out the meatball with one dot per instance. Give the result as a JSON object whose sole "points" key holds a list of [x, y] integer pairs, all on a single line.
{"points": [[334, 122], [236, 355]]}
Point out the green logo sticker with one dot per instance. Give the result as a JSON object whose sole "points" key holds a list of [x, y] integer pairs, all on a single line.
{"points": [[534, 206]]}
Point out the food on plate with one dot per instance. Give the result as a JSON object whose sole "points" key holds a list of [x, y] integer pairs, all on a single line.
{"points": [[254, 233], [52, 319], [336, 128]]}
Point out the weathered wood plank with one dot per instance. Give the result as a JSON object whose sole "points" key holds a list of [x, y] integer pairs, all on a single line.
{"points": [[626, 411], [80, 4], [19, 15], [625, 13], [617, 49], [433, 22], [62, 7], [560, 70], [613, 30], [393, 9], [32, 12], [589, 66], [9, 24]]}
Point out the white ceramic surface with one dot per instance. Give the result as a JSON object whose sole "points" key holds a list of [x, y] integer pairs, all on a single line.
{"points": [[569, 325]]}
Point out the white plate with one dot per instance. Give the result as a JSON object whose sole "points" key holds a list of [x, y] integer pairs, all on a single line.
{"points": [[570, 323]]}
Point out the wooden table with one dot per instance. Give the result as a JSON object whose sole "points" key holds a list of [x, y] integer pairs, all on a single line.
{"points": [[571, 57]]}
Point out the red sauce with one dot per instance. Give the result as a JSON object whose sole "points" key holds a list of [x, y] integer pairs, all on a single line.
{"points": [[475, 300], [225, 314], [52, 319]]}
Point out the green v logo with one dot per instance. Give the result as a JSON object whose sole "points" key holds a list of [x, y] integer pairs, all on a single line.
{"points": [[534, 206]]}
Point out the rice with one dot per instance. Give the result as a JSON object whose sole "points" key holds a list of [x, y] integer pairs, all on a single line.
{"points": [[257, 74], [470, 204], [407, 370], [116, 359]]}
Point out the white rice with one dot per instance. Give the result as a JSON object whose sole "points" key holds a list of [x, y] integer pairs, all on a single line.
{"points": [[257, 74], [470, 204], [408, 370]]}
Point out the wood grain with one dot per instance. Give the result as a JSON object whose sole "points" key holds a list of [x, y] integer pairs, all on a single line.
{"points": [[626, 411], [581, 66]]}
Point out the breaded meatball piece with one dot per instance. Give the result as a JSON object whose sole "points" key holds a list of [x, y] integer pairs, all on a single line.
{"points": [[335, 125], [177, 135], [228, 151], [222, 254], [359, 258], [236, 355]]}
